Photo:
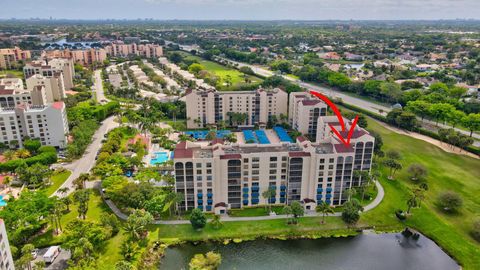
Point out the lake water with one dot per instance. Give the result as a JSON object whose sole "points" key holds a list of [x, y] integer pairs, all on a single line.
{"points": [[366, 251]]}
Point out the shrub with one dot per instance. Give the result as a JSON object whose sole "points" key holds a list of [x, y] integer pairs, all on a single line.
{"points": [[198, 219], [449, 201], [417, 171], [476, 229]]}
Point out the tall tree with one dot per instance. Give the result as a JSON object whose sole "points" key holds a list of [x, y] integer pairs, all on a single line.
{"points": [[325, 209]]}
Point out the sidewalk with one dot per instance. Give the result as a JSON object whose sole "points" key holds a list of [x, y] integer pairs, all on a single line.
{"points": [[372, 205]]}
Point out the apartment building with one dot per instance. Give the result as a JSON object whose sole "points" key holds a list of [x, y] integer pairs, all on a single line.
{"points": [[216, 176], [85, 57], [207, 107], [48, 123], [6, 259], [12, 93], [120, 49], [48, 67], [304, 111], [10, 57], [53, 84]]}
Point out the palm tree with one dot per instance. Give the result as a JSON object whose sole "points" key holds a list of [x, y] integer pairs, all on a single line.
{"points": [[23, 153], [81, 180], [174, 111], [67, 201], [350, 193], [325, 209], [267, 195], [9, 155], [216, 222], [82, 197]]}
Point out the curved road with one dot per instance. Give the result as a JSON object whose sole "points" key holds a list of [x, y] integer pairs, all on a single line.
{"points": [[370, 206], [87, 161]]}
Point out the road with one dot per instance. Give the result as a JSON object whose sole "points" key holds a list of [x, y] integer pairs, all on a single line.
{"points": [[358, 102], [87, 161], [370, 206], [98, 86]]}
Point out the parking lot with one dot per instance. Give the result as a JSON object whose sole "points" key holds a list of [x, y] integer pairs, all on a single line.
{"points": [[59, 263]]}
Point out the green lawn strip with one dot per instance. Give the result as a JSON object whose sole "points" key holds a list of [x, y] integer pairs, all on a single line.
{"points": [[57, 180], [247, 230], [11, 72], [255, 211]]}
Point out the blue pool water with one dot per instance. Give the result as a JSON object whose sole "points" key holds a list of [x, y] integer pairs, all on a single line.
{"points": [[202, 134], [161, 157], [2, 202]]}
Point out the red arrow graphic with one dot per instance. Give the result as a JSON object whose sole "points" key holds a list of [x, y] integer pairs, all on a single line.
{"points": [[337, 112]]}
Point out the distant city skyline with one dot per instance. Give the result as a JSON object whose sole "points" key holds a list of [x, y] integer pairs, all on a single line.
{"points": [[243, 9]]}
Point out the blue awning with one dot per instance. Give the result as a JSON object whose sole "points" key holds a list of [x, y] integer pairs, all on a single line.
{"points": [[209, 208], [200, 195], [245, 202], [209, 201], [209, 195], [283, 187], [283, 193], [200, 202], [245, 195], [319, 190]]}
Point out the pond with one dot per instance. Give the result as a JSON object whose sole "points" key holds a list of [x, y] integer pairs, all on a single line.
{"points": [[390, 251]]}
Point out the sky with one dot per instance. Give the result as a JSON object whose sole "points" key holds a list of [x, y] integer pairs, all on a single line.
{"points": [[242, 9]]}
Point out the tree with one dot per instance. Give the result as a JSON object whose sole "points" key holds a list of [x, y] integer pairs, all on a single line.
{"points": [[209, 261], [406, 120], [198, 219], [440, 111], [472, 122], [34, 175], [325, 209], [297, 211], [393, 91], [268, 195], [350, 214], [476, 229], [287, 210], [32, 145], [449, 201], [136, 225], [417, 171], [26, 259], [23, 153], [455, 117], [419, 107], [195, 68], [81, 197], [80, 181], [9, 155], [216, 222], [392, 158]]}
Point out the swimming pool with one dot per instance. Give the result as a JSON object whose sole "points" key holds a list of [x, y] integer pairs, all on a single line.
{"points": [[160, 157], [2, 202]]}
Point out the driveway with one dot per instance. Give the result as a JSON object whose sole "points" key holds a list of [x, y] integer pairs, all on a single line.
{"points": [[60, 263]]}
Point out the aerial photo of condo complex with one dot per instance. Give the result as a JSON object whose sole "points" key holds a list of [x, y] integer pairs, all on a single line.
{"points": [[216, 134]]}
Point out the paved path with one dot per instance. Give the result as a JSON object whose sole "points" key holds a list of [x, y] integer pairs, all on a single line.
{"points": [[87, 161], [98, 86], [370, 206]]}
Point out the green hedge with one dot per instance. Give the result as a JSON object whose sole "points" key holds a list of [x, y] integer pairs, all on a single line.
{"points": [[45, 158]]}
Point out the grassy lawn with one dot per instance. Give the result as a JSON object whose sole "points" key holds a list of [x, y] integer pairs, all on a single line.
{"points": [[446, 171], [57, 180], [222, 72], [255, 211], [11, 72]]}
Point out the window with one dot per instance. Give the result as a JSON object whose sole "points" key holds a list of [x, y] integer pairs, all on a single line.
{"points": [[273, 158]]}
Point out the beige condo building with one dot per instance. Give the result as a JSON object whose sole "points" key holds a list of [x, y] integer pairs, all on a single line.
{"points": [[54, 85], [216, 176], [85, 57], [48, 67], [304, 112], [12, 93], [120, 49], [10, 57], [6, 259], [207, 107]]}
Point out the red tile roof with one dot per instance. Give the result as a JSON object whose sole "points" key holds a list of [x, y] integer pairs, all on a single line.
{"points": [[301, 139], [342, 148], [355, 134], [231, 156], [217, 140], [58, 105], [310, 102], [183, 153], [298, 154]]}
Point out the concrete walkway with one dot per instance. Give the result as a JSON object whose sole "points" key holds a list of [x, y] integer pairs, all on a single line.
{"points": [[370, 206]]}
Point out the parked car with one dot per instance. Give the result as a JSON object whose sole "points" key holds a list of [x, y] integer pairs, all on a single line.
{"points": [[51, 254]]}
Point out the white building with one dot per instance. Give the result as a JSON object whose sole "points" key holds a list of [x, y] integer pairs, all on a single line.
{"points": [[48, 68], [216, 176], [207, 107], [12, 93], [47, 123], [6, 260], [54, 85], [304, 111]]}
